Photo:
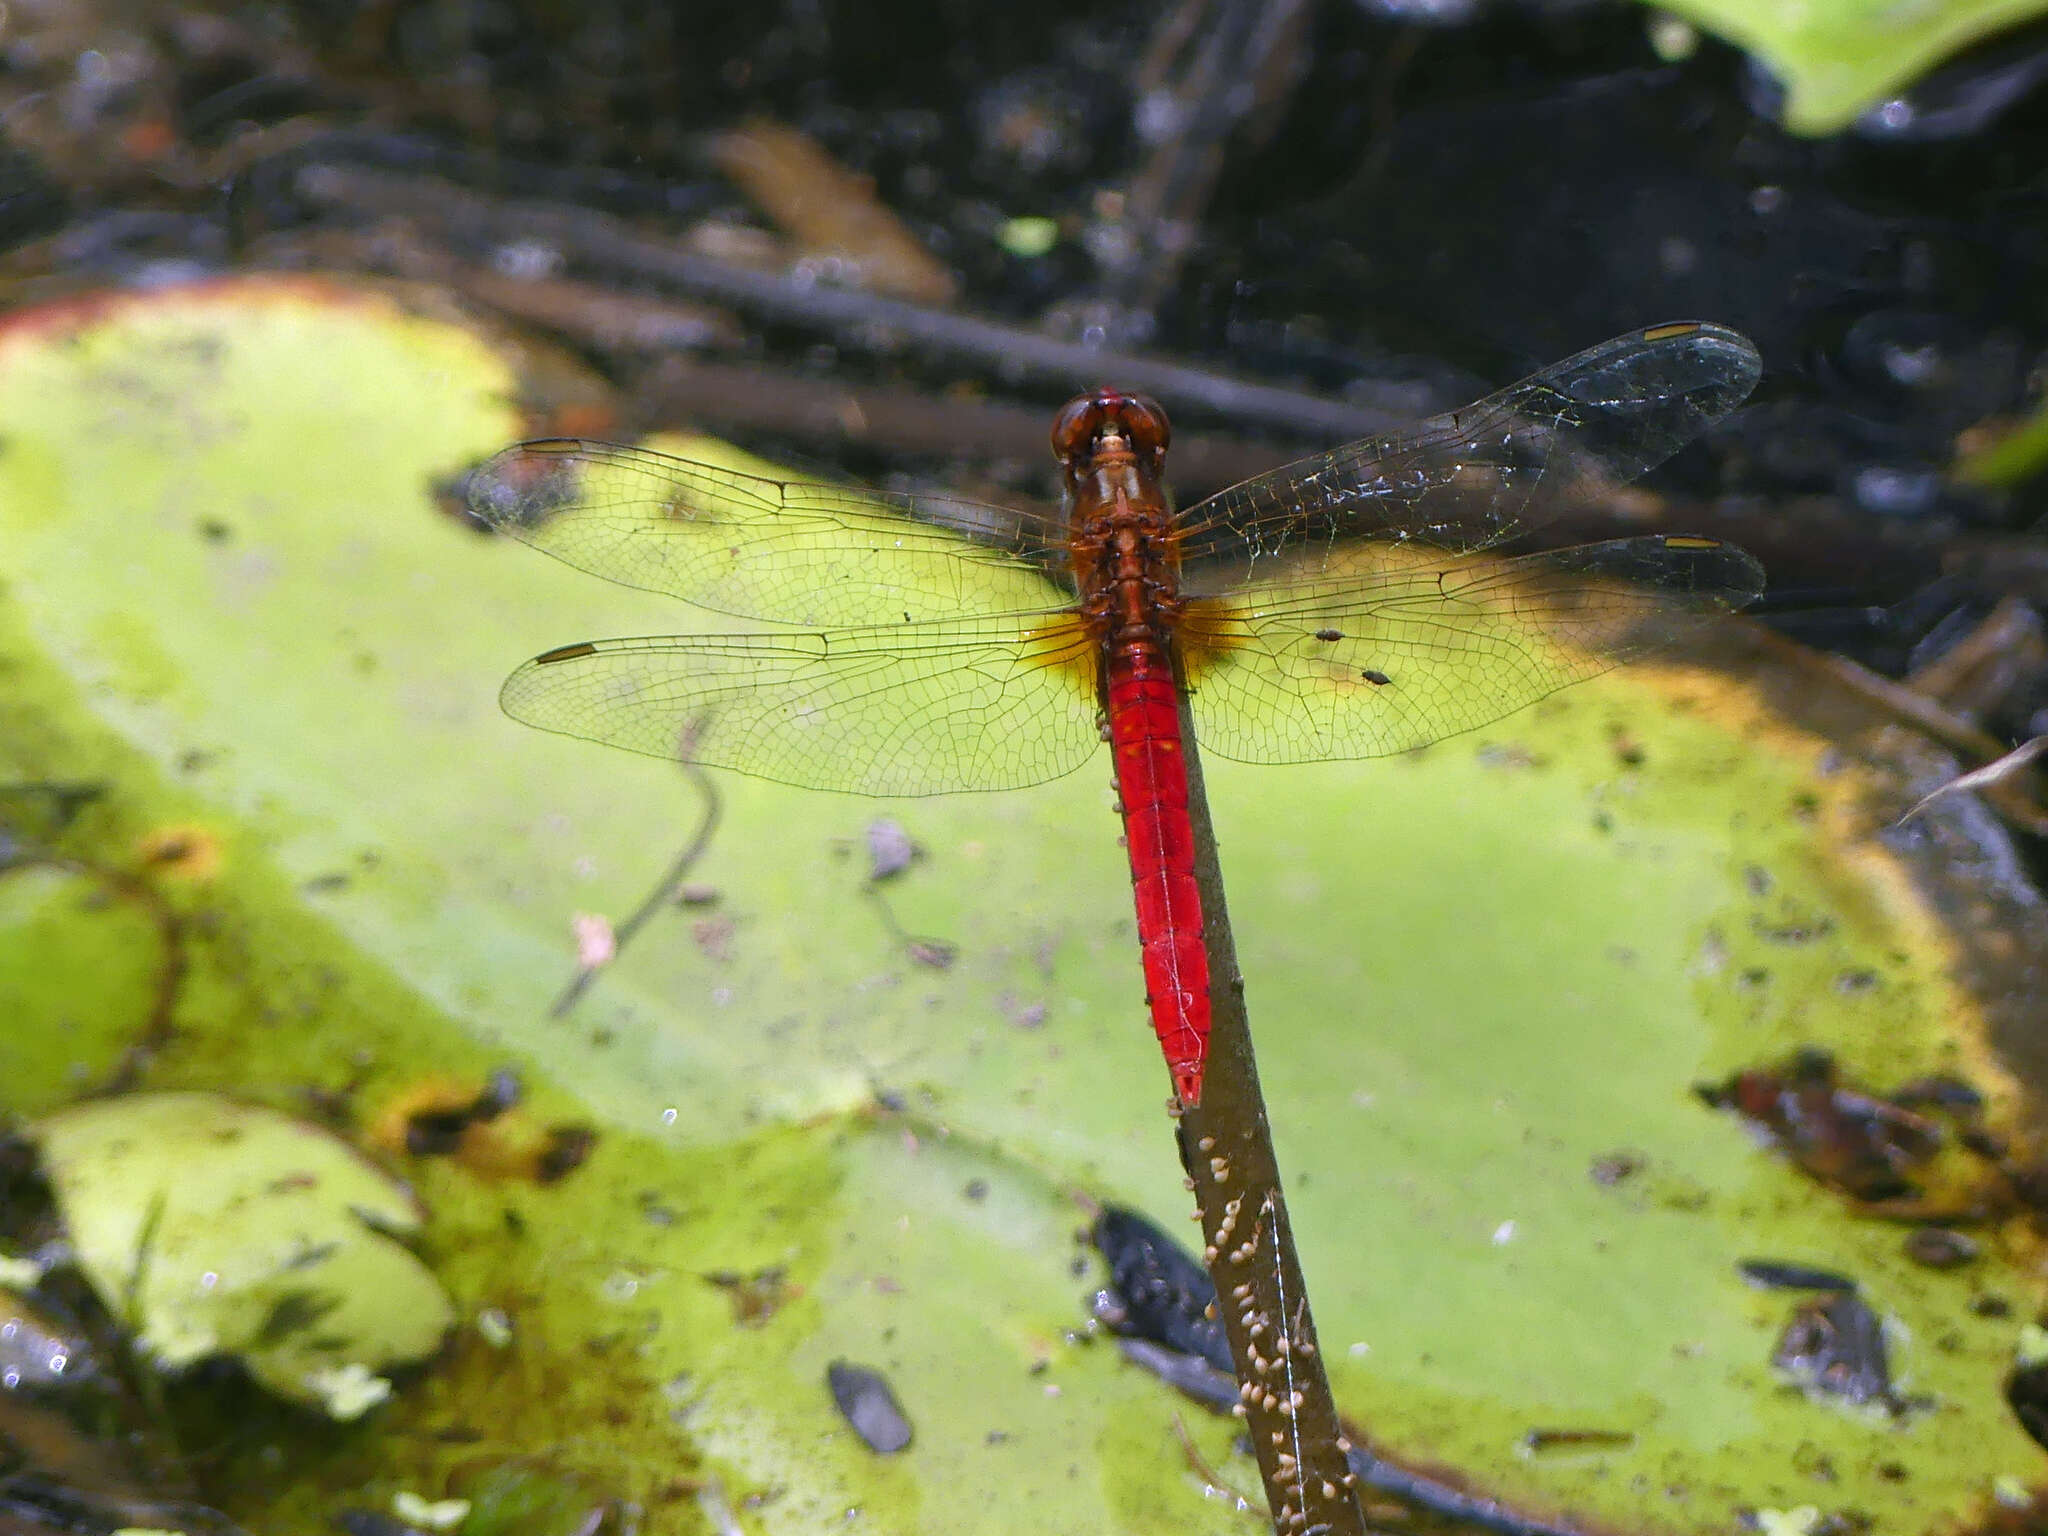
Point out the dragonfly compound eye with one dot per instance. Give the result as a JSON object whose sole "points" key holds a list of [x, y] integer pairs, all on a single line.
{"points": [[1073, 430], [1146, 423], [1088, 419]]}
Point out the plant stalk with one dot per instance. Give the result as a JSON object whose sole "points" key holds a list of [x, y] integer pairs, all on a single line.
{"points": [[1226, 1147]]}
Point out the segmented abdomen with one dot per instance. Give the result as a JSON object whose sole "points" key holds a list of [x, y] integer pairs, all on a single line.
{"points": [[1152, 784]]}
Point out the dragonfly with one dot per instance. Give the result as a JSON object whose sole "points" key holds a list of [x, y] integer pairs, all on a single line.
{"points": [[1353, 604]]}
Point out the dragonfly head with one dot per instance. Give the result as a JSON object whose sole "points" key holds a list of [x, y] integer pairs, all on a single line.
{"points": [[1111, 425]]}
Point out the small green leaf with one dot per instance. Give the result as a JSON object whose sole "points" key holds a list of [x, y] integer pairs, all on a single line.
{"points": [[216, 1228]]}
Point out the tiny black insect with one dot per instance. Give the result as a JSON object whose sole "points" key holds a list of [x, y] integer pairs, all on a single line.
{"points": [[1376, 677]]}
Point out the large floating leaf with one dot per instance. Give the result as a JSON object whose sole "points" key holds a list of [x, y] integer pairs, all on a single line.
{"points": [[231, 599]]}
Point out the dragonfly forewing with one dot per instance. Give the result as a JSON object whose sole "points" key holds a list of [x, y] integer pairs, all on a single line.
{"points": [[792, 551]]}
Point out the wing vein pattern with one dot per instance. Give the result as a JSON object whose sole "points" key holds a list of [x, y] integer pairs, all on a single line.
{"points": [[1475, 477], [996, 703], [787, 551], [1295, 670]]}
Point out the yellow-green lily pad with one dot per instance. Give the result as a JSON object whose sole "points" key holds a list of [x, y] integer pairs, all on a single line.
{"points": [[219, 1228], [232, 597]]}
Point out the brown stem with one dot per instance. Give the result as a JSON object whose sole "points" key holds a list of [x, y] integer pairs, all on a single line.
{"points": [[1227, 1149]]}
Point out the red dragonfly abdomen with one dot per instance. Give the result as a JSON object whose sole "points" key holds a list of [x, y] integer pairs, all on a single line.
{"points": [[1152, 787]]}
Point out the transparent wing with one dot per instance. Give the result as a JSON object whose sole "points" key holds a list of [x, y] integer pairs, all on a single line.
{"points": [[790, 551], [1329, 665], [1473, 477], [992, 703]]}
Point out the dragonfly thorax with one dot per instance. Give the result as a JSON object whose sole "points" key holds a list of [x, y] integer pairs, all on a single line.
{"points": [[1112, 448], [1112, 451]]}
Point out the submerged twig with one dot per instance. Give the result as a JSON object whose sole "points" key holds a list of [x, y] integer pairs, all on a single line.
{"points": [[1199, 1464], [1226, 1147], [664, 890], [939, 954]]}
